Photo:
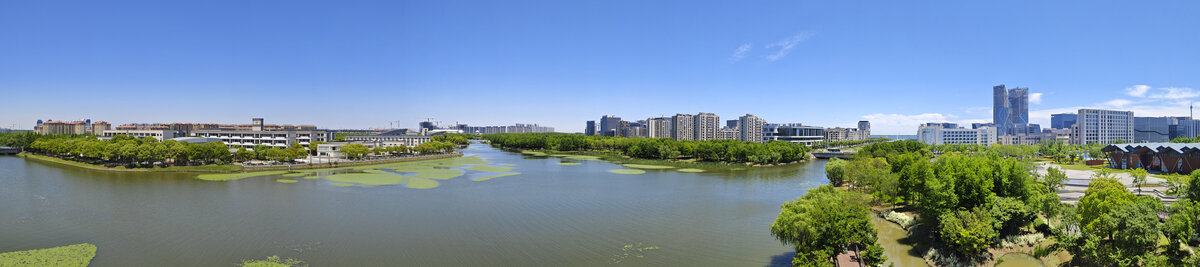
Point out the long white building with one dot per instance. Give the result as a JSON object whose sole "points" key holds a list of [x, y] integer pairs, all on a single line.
{"points": [[939, 133]]}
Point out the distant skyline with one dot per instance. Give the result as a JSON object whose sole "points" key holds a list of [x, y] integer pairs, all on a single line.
{"points": [[559, 64]]}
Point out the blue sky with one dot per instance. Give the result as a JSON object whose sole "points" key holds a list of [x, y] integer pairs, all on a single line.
{"points": [[560, 63]]}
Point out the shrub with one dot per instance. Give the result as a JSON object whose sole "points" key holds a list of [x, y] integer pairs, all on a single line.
{"points": [[899, 218]]}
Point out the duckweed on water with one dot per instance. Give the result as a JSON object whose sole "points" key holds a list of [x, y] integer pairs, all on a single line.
{"points": [[489, 168], [508, 165], [273, 261], [494, 176], [568, 163], [236, 176], [73, 255], [422, 183], [689, 170], [627, 171], [368, 178], [580, 157], [285, 180], [648, 167], [296, 174], [630, 251], [342, 184]]}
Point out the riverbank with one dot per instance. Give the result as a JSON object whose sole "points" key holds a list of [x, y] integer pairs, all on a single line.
{"points": [[229, 168], [622, 159]]}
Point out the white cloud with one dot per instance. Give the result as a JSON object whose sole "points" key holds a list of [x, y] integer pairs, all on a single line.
{"points": [[1035, 98], [907, 124], [1137, 90], [786, 46], [740, 52], [1175, 93]]}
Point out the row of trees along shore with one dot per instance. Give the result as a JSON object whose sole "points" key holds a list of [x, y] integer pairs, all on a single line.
{"points": [[132, 152], [984, 198], [731, 151]]}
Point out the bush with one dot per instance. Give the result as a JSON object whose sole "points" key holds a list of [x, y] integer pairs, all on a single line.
{"points": [[899, 218], [1022, 240], [968, 232]]}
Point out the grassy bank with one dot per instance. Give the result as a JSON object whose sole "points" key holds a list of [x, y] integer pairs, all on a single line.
{"points": [[205, 168], [229, 168], [617, 157]]}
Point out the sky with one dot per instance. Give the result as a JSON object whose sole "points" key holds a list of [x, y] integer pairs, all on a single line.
{"points": [[560, 63]]}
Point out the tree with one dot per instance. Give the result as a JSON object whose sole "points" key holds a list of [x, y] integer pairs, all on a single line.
{"points": [[1193, 188], [1055, 178], [355, 151], [1010, 214], [823, 223], [1181, 227], [968, 232], [835, 170], [1139, 177]]}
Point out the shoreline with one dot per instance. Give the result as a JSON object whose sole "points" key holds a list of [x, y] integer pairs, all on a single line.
{"points": [[611, 156], [229, 168]]}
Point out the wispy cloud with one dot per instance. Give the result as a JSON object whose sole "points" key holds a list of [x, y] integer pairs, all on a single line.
{"points": [[786, 46], [1137, 90], [1175, 93], [740, 53], [1117, 103], [1035, 98]]}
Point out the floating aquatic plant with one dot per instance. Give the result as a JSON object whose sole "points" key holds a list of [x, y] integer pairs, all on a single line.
{"points": [[627, 171], [236, 176], [648, 167], [72, 255], [273, 261], [494, 176], [568, 163], [689, 170], [286, 181], [633, 250], [489, 168]]}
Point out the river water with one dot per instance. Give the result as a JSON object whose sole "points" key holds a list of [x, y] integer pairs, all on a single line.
{"points": [[549, 215]]}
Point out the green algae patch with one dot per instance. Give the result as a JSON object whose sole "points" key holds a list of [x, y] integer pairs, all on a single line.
{"points": [[568, 163], [438, 174], [285, 180], [72, 255], [508, 165], [273, 261], [689, 170], [627, 171], [295, 174], [236, 176], [489, 168], [342, 184], [576, 157], [368, 178], [534, 153], [648, 167], [494, 176], [633, 251], [421, 183]]}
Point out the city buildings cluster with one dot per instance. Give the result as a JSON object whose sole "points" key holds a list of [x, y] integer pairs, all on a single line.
{"points": [[1010, 125], [431, 127], [708, 126], [235, 135]]}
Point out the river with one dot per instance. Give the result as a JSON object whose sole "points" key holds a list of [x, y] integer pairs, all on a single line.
{"points": [[549, 215]]}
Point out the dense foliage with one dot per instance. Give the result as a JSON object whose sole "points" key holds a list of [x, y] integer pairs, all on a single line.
{"points": [[835, 170], [846, 143], [657, 148], [455, 138], [824, 223], [1113, 227], [128, 150]]}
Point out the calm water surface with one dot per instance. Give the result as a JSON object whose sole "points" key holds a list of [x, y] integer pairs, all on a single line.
{"points": [[549, 215]]}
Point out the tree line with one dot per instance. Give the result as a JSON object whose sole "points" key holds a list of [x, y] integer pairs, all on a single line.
{"points": [[845, 143], [731, 151], [123, 149], [360, 151]]}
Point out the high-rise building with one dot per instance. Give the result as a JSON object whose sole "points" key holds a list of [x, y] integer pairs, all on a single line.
{"points": [[731, 124], [1153, 129], [682, 127], [609, 124], [751, 128], [841, 134], [1104, 126], [1000, 107], [1063, 121], [706, 126], [864, 130], [658, 127], [1010, 109], [426, 126], [590, 129]]}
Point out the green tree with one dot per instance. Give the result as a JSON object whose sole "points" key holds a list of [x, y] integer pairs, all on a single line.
{"points": [[835, 170], [823, 223], [355, 151], [1055, 178], [1181, 227], [968, 232], [1193, 188], [1139, 177]]}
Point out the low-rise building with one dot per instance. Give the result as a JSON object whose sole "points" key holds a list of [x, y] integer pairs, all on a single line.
{"points": [[793, 132], [939, 133], [259, 135], [160, 135], [392, 138]]}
